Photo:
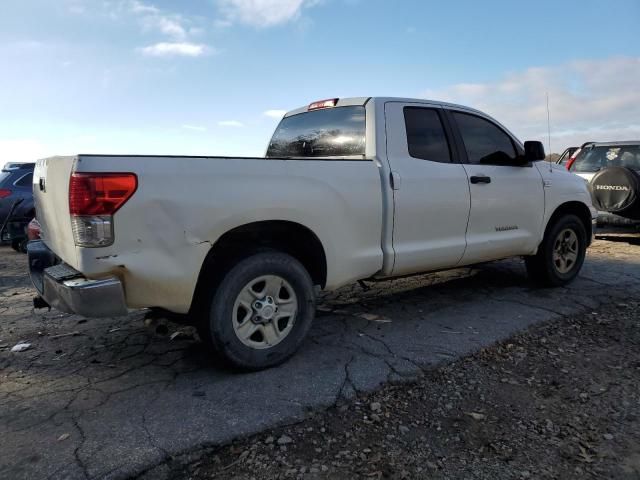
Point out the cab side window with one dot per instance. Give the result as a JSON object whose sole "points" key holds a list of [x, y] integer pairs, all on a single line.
{"points": [[426, 137], [484, 141]]}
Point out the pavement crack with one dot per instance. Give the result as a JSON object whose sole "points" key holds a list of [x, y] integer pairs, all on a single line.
{"points": [[391, 352], [76, 451], [346, 381]]}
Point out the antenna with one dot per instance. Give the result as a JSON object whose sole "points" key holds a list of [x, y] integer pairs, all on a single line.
{"points": [[549, 132]]}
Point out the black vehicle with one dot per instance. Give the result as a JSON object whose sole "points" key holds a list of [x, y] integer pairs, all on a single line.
{"points": [[613, 172], [16, 203]]}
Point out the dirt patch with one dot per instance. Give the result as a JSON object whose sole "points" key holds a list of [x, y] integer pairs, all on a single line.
{"points": [[559, 401]]}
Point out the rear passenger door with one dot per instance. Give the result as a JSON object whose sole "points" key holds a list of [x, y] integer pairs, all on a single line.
{"points": [[430, 189], [507, 199]]}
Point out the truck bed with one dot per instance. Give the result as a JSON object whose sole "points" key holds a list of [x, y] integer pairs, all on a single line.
{"points": [[183, 205]]}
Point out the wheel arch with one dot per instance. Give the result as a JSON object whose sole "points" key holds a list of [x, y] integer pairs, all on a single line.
{"points": [[576, 208], [288, 237]]}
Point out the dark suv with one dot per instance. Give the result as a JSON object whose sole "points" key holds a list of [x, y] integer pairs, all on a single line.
{"points": [[16, 202], [613, 172]]}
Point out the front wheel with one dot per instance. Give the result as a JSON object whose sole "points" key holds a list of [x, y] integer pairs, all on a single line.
{"points": [[561, 254], [261, 311], [19, 245]]}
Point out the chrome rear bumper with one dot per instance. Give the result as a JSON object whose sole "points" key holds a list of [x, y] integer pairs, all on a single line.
{"points": [[67, 290]]}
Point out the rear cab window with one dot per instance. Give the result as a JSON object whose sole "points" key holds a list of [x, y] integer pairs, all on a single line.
{"points": [[332, 132], [426, 138], [597, 157]]}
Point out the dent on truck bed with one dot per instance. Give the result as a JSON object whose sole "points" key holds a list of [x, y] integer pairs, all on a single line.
{"points": [[193, 240]]}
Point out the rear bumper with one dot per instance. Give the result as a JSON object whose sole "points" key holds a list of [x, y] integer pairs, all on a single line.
{"points": [[67, 290]]}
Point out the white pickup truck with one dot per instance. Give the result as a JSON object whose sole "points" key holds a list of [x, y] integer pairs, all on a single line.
{"points": [[350, 189]]}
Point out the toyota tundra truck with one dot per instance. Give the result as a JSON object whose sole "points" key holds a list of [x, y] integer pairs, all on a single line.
{"points": [[349, 189]]}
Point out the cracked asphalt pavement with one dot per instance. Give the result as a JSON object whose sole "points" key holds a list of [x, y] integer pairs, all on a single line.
{"points": [[111, 398]]}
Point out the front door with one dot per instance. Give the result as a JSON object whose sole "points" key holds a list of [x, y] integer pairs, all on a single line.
{"points": [[507, 201]]}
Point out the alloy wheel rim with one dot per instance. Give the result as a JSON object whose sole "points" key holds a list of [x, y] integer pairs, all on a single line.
{"points": [[264, 312], [565, 251]]}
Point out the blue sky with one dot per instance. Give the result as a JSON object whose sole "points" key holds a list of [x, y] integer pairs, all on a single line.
{"points": [[212, 77]]}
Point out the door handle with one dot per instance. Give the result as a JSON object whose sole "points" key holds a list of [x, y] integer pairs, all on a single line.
{"points": [[480, 179]]}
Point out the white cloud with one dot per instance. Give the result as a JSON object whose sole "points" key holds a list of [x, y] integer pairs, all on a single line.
{"points": [[277, 114], [588, 100], [178, 28], [175, 49], [139, 7], [231, 123], [195, 128], [169, 26], [263, 13]]}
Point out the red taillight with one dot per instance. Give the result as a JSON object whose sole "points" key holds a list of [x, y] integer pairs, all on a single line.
{"points": [[572, 158], [324, 104], [33, 230], [100, 193], [570, 162], [4, 192]]}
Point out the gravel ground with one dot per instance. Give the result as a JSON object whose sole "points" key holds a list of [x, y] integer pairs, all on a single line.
{"points": [[561, 400]]}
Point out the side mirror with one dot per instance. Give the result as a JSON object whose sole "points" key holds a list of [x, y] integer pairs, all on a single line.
{"points": [[533, 151]]}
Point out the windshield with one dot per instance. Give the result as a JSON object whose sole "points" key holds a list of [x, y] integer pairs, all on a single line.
{"points": [[595, 158], [332, 132]]}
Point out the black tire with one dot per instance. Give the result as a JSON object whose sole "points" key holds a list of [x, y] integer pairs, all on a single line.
{"points": [[542, 268], [218, 329], [23, 246], [15, 244]]}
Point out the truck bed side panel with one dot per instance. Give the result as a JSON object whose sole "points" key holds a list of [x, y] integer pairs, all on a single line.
{"points": [[183, 205]]}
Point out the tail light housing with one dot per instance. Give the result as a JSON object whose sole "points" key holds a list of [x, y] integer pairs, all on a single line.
{"points": [[93, 200], [33, 230], [4, 192]]}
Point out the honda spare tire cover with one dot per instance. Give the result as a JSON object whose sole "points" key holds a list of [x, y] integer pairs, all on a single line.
{"points": [[616, 190]]}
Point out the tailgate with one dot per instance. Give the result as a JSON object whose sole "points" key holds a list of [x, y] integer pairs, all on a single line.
{"points": [[51, 194]]}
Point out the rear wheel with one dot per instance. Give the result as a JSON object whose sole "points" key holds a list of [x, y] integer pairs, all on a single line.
{"points": [[261, 311], [561, 253]]}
